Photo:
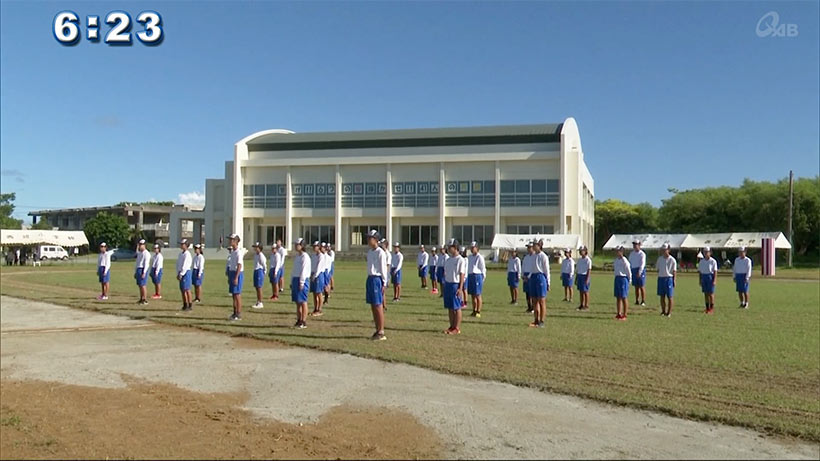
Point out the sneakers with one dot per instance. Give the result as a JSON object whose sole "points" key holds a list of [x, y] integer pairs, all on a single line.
{"points": [[620, 317], [101, 298], [478, 315], [452, 331], [258, 305], [435, 291], [643, 303], [156, 297], [317, 314], [378, 337], [540, 325], [395, 300], [234, 317], [197, 300], [143, 302], [274, 297], [533, 324], [709, 310], [529, 311], [300, 325]]}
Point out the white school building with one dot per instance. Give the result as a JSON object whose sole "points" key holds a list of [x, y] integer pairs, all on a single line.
{"points": [[416, 186]]}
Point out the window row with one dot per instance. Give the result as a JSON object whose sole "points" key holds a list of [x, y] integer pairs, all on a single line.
{"points": [[481, 234], [358, 234], [415, 187], [470, 193], [325, 234], [419, 235], [530, 229]]}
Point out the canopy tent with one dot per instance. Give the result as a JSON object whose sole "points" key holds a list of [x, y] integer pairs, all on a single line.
{"points": [[552, 241], [693, 241], [13, 237]]}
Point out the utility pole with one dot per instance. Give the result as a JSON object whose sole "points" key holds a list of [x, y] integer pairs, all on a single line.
{"points": [[791, 202]]}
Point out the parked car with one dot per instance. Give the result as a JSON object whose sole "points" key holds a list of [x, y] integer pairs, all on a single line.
{"points": [[123, 253], [52, 252]]}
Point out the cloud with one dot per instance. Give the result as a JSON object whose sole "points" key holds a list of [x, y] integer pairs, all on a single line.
{"points": [[17, 175], [193, 199], [109, 120]]}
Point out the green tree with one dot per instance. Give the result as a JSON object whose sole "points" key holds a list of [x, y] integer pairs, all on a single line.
{"points": [[618, 217], [108, 228], [42, 224], [6, 209]]}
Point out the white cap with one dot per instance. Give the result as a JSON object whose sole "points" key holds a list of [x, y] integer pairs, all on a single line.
{"points": [[396, 244], [373, 234], [141, 242], [299, 241], [742, 249], [197, 246], [257, 245], [156, 245], [234, 236], [567, 250], [452, 243], [665, 246], [317, 243], [636, 242], [619, 248], [431, 248], [473, 244], [183, 242], [705, 249], [582, 248], [102, 244]]}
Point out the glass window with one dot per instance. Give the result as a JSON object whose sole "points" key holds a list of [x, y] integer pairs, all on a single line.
{"points": [[522, 185], [489, 187], [414, 235], [478, 187], [409, 188], [423, 187], [270, 190], [539, 186], [553, 185], [507, 187]]}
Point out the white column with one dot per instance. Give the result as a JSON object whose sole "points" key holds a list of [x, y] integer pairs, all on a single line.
{"points": [[339, 209], [197, 231], [389, 208], [240, 154], [497, 225], [288, 213], [442, 234], [562, 187]]}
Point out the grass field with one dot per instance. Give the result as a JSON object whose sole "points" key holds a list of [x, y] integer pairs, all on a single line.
{"points": [[758, 368]]}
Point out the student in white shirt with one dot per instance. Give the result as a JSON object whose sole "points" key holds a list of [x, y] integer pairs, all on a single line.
{"points": [[236, 275], [707, 268], [583, 269], [623, 276], [316, 279], [103, 271], [431, 268], [526, 268], [395, 271], [300, 282], [567, 274], [539, 284], [376, 281], [637, 261], [260, 266], [476, 274], [184, 263], [156, 271], [513, 275], [742, 270], [198, 273], [422, 261], [667, 275], [282, 255], [442, 259], [455, 275], [141, 270], [326, 263], [274, 273], [332, 255]]}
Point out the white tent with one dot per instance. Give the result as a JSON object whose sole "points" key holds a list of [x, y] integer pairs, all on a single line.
{"points": [[692, 241], [13, 237], [551, 241]]}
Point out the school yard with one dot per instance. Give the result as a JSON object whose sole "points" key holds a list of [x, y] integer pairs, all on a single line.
{"points": [[756, 368]]}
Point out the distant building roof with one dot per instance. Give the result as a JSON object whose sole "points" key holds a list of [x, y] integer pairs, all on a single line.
{"points": [[504, 134], [150, 208]]}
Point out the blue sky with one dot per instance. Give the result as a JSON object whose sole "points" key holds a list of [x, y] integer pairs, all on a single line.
{"points": [[666, 94]]}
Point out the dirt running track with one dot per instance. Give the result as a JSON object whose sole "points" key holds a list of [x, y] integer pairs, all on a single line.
{"points": [[182, 378]]}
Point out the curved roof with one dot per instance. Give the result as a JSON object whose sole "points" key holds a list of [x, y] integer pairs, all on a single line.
{"points": [[504, 134]]}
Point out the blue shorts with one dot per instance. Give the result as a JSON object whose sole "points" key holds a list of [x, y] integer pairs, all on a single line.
{"points": [[526, 286], [475, 283], [317, 285], [395, 277], [273, 275], [235, 289], [138, 275], [423, 273], [706, 284], [281, 274], [452, 296], [198, 277], [566, 279], [258, 278], [297, 295], [538, 285], [582, 282], [374, 294], [621, 286], [741, 283], [326, 284], [638, 279], [156, 278], [666, 286], [440, 274], [102, 275], [512, 279], [185, 281]]}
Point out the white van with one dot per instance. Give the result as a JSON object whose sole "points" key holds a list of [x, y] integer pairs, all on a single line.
{"points": [[52, 252]]}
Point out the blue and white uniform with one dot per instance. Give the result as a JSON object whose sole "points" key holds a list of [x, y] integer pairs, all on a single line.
{"points": [[667, 266], [582, 268], [376, 276], [396, 263], [623, 275], [198, 270], [142, 267], [742, 270], [300, 278], [476, 273], [422, 261], [156, 268], [540, 276], [184, 263], [235, 267], [513, 272], [283, 253], [332, 258], [104, 266], [316, 278], [455, 271], [527, 265], [707, 267], [442, 259], [567, 271], [637, 263], [260, 265], [276, 264]]}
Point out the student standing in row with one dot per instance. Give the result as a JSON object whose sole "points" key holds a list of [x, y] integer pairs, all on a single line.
{"points": [[332, 258], [513, 275], [637, 261], [103, 271], [455, 274], [422, 261], [527, 268], [540, 284], [476, 274], [742, 270], [316, 279], [260, 265], [567, 274], [708, 267], [432, 269], [667, 278], [584, 269], [376, 281], [198, 272], [442, 259], [326, 262], [141, 270], [184, 263], [300, 282], [274, 276], [282, 255], [623, 276], [236, 277], [156, 271], [395, 271]]}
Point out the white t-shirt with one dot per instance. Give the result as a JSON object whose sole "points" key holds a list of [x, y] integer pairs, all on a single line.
{"points": [[743, 266], [377, 263], [568, 266], [235, 260], [199, 263], [301, 267], [397, 261], [184, 262], [666, 266], [422, 259], [454, 268], [514, 265], [476, 265], [143, 260], [583, 265], [528, 263], [622, 268], [156, 263], [637, 259], [260, 261], [104, 260], [708, 265]]}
